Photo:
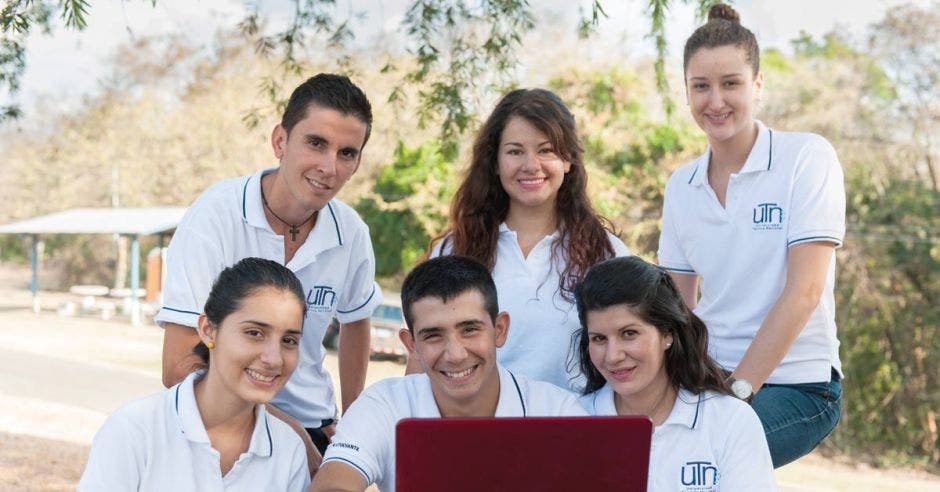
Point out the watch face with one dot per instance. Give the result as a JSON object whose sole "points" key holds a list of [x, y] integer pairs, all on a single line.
{"points": [[741, 389]]}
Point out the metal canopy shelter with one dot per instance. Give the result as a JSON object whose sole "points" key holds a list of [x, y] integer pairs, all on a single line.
{"points": [[133, 222]]}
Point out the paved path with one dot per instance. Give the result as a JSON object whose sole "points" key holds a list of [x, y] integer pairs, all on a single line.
{"points": [[71, 383]]}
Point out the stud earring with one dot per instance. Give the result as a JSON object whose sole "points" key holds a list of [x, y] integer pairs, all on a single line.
{"points": [[210, 345]]}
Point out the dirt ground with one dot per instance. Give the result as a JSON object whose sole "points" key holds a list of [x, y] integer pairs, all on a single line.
{"points": [[62, 376]]}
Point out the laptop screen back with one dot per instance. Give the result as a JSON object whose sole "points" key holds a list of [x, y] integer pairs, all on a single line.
{"points": [[517, 454]]}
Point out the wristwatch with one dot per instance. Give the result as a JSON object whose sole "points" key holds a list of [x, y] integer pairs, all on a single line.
{"points": [[742, 389]]}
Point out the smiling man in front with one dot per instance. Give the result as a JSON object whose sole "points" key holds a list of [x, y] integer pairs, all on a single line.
{"points": [[454, 328]]}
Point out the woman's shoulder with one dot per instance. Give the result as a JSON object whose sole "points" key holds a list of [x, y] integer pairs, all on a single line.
{"points": [[599, 402], [722, 400], [441, 246], [136, 422], [147, 407], [588, 402], [620, 249], [687, 172], [784, 137], [796, 146]]}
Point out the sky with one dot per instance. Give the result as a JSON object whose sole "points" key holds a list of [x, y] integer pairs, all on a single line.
{"points": [[66, 65]]}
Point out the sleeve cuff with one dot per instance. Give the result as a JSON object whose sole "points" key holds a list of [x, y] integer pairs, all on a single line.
{"points": [[677, 267], [816, 236], [363, 309], [353, 464], [175, 315]]}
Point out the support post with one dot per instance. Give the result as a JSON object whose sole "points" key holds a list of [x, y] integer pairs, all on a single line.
{"points": [[34, 282], [135, 281]]}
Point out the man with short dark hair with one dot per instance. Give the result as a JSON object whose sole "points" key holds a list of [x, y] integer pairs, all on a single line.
{"points": [[288, 214], [454, 328]]}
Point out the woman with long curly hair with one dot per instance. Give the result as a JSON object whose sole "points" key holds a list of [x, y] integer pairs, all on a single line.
{"points": [[523, 211]]}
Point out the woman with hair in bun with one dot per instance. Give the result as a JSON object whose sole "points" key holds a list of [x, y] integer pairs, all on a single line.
{"points": [[523, 211], [758, 217], [643, 352], [211, 431]]}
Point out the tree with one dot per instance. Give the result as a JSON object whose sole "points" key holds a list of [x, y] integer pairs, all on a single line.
{"points": [[458, 47], [907, 41], [408, 207]]}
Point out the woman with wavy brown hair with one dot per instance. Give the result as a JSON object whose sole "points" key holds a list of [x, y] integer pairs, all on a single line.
{"points": [[523, 211]]}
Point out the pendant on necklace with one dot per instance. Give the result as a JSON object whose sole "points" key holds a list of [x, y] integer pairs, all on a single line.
{"points": [[293, 232]]}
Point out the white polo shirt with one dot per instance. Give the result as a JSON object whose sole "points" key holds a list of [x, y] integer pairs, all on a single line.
{"points": [[159, 443], [709, 442], [541, 321], [335, 265], [790, 191], [365, 437]]}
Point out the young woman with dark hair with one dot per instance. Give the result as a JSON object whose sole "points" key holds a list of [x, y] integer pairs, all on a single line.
{"points": [[211, 431], [643, 352], [758, 217], [523, 211]]}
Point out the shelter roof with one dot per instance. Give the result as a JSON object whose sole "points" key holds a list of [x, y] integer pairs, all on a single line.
{"points": [[140, 221]]}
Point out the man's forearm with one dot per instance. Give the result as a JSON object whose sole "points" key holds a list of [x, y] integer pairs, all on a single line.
{"points": [[178, 357], [354, 350]]}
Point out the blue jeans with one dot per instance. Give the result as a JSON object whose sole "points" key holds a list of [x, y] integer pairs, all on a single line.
{"points": [[797, 417]]}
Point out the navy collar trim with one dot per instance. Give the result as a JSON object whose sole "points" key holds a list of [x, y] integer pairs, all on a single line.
{"points": [[770, 150], [698, 406], [339, 237], [329, 206], [518, 392], [703, 160], [245, 198], [267, 429]]}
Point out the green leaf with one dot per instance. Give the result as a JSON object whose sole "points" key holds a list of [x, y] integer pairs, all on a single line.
{"points": [[74, 13]]}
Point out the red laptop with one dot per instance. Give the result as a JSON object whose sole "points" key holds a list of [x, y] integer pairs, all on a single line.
{"points": [[541, 454]]}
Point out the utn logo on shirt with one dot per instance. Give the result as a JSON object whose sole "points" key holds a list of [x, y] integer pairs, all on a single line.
{"points": [[767, 216], [321, 298], [698, 476]]}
